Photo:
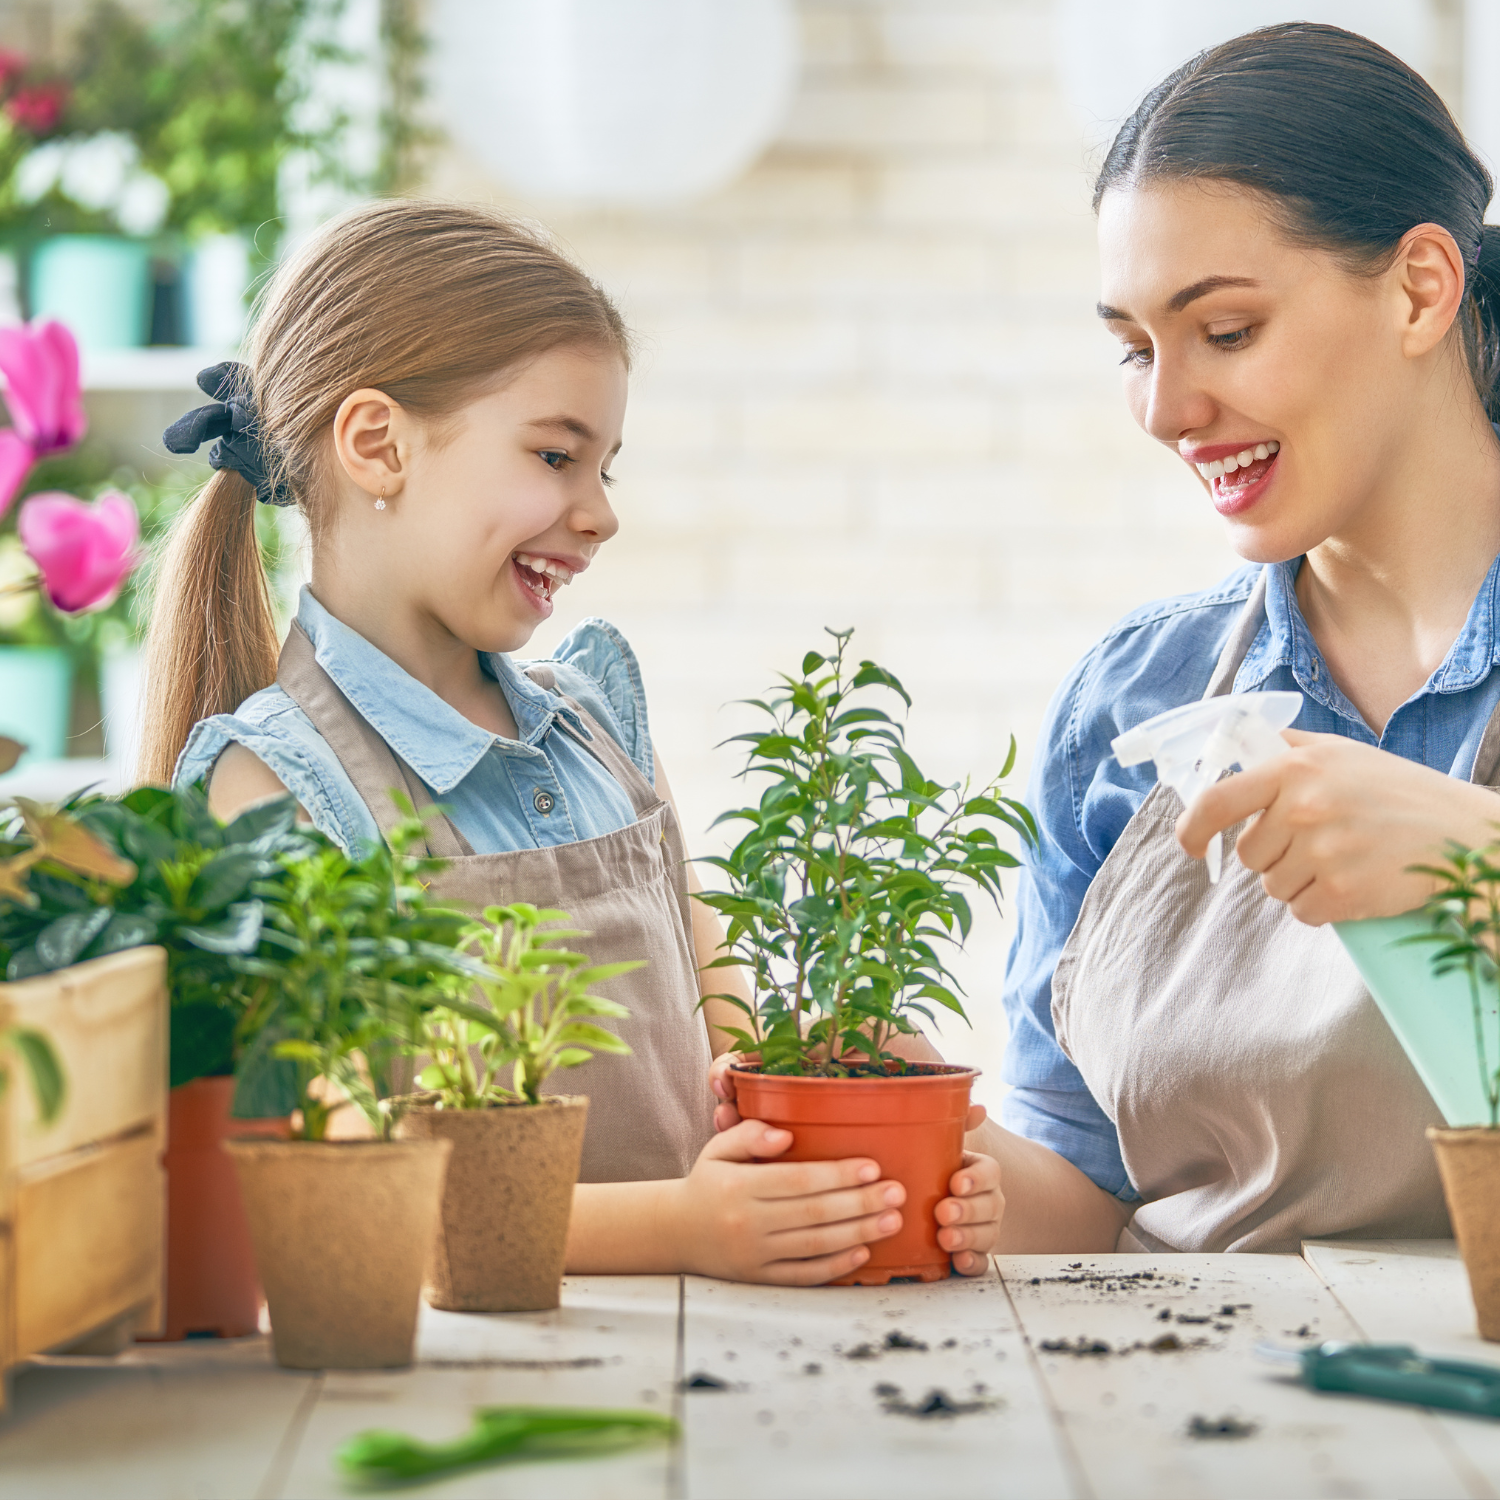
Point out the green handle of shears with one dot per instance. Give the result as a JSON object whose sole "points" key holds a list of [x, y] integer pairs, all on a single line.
{"points": [[1396, 1372]]}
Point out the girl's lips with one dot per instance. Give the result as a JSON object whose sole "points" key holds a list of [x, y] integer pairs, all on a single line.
{"points": [[540, 601], [1234, 494]]}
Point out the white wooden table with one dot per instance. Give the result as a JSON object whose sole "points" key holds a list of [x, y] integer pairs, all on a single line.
{"points": [[1051, 1361]]}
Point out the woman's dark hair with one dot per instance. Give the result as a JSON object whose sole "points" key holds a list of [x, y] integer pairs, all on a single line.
{"points": [[1354, 147]]}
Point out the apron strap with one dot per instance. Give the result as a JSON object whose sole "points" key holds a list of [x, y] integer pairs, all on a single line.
{"points": [[1246, 627], [371, 764]]}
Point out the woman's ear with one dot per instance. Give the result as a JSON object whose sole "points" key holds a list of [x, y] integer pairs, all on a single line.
{"points": [[1429, 279], [372, 438]]}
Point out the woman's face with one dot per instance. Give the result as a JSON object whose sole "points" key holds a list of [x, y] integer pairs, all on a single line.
{"points": [[1237, 341]]}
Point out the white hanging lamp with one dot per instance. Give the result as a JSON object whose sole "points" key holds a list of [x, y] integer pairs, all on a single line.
{"points": [[612, 101]]}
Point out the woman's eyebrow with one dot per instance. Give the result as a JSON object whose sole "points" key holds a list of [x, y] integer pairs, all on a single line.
{"points": [[1181, 299]]}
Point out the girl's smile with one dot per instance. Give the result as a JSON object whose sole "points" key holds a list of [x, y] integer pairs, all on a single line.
{"points": [[541, 577]]}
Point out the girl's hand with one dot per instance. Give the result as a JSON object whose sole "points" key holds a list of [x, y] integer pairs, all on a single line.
{"points": [[969, 1221], [1340, 824], [721, 1081], [742, 1217]]}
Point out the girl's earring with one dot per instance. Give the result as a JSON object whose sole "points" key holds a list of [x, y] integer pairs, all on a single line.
{"points": [[380, 503]]}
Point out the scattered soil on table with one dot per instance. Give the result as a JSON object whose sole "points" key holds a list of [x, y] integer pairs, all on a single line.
{"points": [[1221, 1427], [936, 1403], [1111, 1281], [587, 1362], [1077, 1347], [894, 1342], [895, 1339], [812, 1369], [1087, 1348], [702, 1381], [862, 1351]]}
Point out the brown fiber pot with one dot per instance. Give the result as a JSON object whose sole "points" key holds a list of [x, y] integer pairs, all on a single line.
{"points": [[1469, 1164], [342, 1231], [912, 1125], [503, 1230], [211, 1283]]}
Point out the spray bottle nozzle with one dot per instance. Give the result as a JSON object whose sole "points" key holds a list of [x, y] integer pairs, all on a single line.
{"points": [[1193, 746]]}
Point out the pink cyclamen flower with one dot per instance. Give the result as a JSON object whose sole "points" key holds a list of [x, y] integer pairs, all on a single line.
{"points": [[40, 364], [39, 109], [85, 552]]}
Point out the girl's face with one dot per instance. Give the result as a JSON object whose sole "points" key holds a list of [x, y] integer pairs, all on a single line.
{"points": [[510, 502], [1286, 384]]}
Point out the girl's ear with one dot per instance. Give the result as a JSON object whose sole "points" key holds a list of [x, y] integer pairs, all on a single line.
{"points": [[1429, 271], [372, 438]]}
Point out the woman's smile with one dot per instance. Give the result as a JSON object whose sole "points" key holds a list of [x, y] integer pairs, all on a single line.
{"points": [[1238, 475]]}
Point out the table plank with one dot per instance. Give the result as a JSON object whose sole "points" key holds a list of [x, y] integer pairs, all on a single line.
{"points": [[1416, 1292], [613, 1342], [802, 1416], [1127, 1411], [197, 1421]]}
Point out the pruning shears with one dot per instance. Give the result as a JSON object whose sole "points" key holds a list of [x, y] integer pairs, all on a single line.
{"points": [[1395, 1372]]}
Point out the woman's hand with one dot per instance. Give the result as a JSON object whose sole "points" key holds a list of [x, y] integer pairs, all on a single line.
{"points": [[968, 1222], [1340, 823], [741, 1216]]}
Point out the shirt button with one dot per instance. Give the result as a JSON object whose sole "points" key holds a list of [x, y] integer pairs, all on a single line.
{"points": [[544, 802]]}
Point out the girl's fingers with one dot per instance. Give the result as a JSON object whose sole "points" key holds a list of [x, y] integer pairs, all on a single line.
{"points": [[806, 1179], [780, 1215], [829, 1239], [815, 1272], [970, 1263], [726, 1117], [977, 1208], [976, 1117]]}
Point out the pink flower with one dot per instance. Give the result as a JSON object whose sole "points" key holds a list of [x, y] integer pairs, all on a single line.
{"points": [[85, 552], [40, 364], [16, 459], [39, 108], [12, 65]]}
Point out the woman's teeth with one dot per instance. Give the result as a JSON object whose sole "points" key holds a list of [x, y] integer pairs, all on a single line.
{"points": [[1240, 460], [542, 575]]}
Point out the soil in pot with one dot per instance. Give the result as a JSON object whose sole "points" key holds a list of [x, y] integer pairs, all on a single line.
{"points": [[212, 1288], [1469, 1164], [342, 1232], [503, 1229], [912, 1124]]}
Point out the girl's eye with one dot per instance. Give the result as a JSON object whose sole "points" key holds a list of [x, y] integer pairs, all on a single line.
{"points": [[1235, 340], [555, 458], [606, 478]]}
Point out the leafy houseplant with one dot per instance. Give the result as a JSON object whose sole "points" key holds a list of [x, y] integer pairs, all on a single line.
{"points": [[504, 1225], [354, 954], [842, 895], [1463, 916]]}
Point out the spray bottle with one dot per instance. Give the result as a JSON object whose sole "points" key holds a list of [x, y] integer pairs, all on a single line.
{"points": [[1432, 1017]]}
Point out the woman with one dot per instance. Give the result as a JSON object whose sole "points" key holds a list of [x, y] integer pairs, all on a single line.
{"points": [[1295, 264]]}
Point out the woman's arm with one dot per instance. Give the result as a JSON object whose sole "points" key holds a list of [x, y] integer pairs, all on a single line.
{"points": [[1340, 824]]}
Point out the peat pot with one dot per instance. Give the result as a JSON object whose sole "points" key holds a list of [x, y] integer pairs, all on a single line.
{"points": [[503, 1229], [212, 1289], [913, 1125], [1469, 1164], [342, 1231]]}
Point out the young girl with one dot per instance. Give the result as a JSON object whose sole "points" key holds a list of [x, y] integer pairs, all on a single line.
{"points": [[442, 396]]}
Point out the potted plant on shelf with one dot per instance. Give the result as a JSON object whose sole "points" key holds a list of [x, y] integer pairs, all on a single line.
{"points": [[1463, 914], [355, 953], [503, 1230], [841, 896]]}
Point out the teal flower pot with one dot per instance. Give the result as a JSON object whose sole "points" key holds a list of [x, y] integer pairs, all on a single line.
{"points": [[1432, 1018], [36, 689], [98, 284]]}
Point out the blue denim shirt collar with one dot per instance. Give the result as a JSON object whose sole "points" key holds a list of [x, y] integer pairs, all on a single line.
{"points": [[1285, 641], [434, 739]]}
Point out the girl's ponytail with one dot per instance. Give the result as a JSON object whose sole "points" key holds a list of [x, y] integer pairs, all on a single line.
{"points": [[1482, 330], [213, 636]]}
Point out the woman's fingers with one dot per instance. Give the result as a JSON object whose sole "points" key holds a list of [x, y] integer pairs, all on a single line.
{"points": [[1228, 802]]}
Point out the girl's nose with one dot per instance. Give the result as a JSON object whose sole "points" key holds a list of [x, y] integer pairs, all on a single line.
{"points": [[1176, 403], [595, 518]]}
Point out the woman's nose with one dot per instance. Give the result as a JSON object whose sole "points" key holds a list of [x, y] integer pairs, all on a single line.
{"points": [[1176, 403]]}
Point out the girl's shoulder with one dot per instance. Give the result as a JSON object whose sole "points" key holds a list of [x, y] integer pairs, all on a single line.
{"points": [[272, 727], [595, 666]]}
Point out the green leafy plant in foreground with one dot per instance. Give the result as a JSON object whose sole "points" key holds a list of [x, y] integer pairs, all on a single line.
{"points": [[852, 874], [537, 996], [354, 951], [1464, 915]]}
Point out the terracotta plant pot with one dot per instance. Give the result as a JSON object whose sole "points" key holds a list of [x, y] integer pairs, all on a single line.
{"points": [[212, 1287], [503, 1230], [912, 1125], [342, 1232], [1469, 1164]]}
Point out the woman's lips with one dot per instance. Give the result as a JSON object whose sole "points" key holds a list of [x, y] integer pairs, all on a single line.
{"points": [[1234, 494]]}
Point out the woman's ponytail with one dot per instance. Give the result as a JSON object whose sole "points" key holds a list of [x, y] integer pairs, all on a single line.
{"points": [[1482, 329], [213, 637]]}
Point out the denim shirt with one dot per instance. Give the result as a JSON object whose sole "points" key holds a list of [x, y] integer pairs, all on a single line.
{"points": [[1156, 658], [488, 784]]}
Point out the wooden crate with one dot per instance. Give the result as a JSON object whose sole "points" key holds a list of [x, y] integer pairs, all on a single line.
{"points": [[83, 1201]]}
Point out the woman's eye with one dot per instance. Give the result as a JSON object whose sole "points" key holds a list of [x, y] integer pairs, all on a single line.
{"points": [[1138, 357], [1234, 340], [555, 458]]}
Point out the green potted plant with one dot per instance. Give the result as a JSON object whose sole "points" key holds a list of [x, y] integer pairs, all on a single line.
{"points": [[1463, 916], [842, 894], [355, 953], [188, 886], [503, 1231]]}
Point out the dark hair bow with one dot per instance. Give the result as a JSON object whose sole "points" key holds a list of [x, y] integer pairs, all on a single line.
{"points": [[231, 418]]}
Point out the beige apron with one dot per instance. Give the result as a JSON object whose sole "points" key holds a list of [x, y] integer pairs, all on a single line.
{"points": [[649, 1113], [1259, 1095]]}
